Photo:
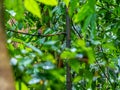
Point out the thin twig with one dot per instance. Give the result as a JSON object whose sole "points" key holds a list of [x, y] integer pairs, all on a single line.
{"points": [[104, 73], [76, 30], [42, 35], [102, 69]]}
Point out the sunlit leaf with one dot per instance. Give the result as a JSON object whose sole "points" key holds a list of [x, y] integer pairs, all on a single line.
{"points": [[77, 79], [32, 6], [48, 57], [23, 86], [80, 43], [86, 10], [49, 2], [66, 2], [68, 55], [83, 12], [90, 55]]}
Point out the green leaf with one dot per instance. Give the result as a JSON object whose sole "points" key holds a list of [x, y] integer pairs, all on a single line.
{"points": [[33, 7], [91, 3], [93, 26], [66, 2], [34, 48], [49, 2], [86, 10], [86, 23], [77, 79], [83, 12], [28, 45], [15, 8], [23, 86], [80, 43], [73, 6], [48, 57], [57, 74], [26, 61], [46, 65], [34, 81], [90, 55], [68, 55], [50, 43], [73, 63]]}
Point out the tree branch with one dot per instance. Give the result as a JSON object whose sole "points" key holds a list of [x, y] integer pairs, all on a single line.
{"points": [[42, 35], [68, 44]]}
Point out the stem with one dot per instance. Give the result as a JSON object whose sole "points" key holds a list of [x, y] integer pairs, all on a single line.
{"points": [[102, 68], [104, 73], [76, 30], [19, 84], [68, 68], [42, 35]]}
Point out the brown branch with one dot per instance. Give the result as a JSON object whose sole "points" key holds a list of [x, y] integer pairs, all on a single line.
{"points": [[42, 35], [68, 44]]}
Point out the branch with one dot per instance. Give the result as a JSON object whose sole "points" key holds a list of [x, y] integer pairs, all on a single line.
{"points": [[42, 35], [104, 74], [102, 69], [76, 30], [68, 44]]}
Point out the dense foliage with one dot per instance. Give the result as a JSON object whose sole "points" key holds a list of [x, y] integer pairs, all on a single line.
{"points": [[36, 32]]}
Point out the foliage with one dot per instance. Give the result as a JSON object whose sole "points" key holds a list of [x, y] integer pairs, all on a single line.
{"points": [[37, 43]]}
